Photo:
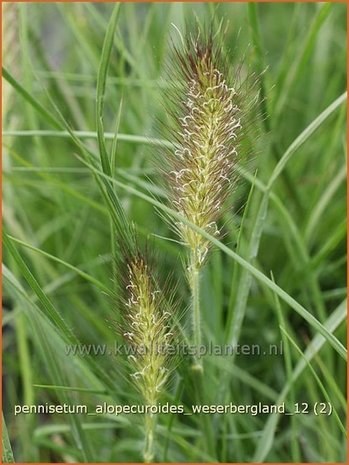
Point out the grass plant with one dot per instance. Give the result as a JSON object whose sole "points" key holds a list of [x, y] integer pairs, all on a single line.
{"points": [[80, 133]]}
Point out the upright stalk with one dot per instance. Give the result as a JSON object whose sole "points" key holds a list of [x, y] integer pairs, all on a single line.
{"points": [[200, 171], [197, 369], [147, 327], [194, 279], [150, 423]]}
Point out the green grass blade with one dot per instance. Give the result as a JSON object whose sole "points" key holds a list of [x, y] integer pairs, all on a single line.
{"points": [[25, 364], [71, 388], [266, 441], [243, 263], [53, 181], [318, 380], [121, 224], [246, 277], [308, 131], [50, 310], [81, 273], [60, 336], [232, 297], [300, 60], [130, 138], [288, 369], [7, 454], [323, 203], [101, 84], [46, 116]]}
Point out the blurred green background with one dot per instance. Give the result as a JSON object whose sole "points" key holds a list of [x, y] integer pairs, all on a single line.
{"points": [[58, 256]]}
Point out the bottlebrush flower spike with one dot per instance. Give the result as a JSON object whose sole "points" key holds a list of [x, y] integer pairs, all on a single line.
{"points": [[148, 329], [206, 126]]}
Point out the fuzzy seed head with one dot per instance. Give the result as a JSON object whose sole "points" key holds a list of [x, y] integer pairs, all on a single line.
{"points": [[207, 126], [147, 329]]}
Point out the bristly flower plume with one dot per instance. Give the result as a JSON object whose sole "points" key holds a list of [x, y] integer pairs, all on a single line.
{"points": [[206, 126], [148, 330]]}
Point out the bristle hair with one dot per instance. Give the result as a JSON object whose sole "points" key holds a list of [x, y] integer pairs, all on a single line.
{"points": [[205, 129]]}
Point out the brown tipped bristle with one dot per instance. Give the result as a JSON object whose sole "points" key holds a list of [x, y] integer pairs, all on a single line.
{"points": [[146, 328], [207, 126]]}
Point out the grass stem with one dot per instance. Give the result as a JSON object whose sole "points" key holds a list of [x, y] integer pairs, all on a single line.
{"points": [[150, 422], [194, 279]]}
